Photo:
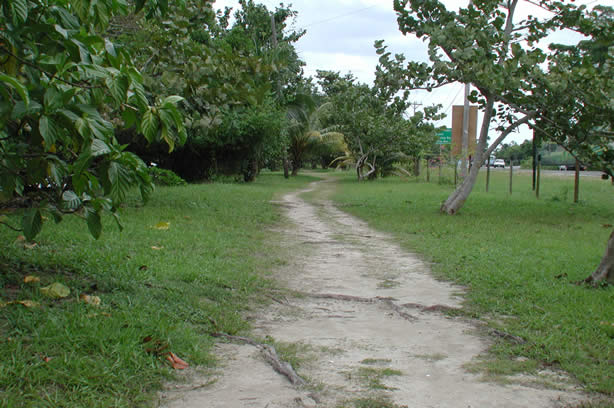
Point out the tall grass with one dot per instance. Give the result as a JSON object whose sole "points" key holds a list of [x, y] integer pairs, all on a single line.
{"points": [[161, 290], [517, 256]]}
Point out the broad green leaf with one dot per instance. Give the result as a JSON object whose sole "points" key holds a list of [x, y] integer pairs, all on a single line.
{"points": [[19, 87], [63, 32], [71, 200], [94, 223], [48, 131], [120, 180], [149, 126], [56, 291], [173, 99], [32, 223], [118, 221], [99, 148], [20, 9], [108, 45], [53, 100]]}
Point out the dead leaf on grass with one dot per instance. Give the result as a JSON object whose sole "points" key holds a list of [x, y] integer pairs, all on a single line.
{"points": [[607, 225], [163, 225], [157, 248], [56, 290], [31, 279], [26, 303], [31, 245], [143, 268], [89, 299], [176, 362]]}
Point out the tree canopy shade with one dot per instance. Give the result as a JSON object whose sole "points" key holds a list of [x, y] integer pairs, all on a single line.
{"points": [[566, 92], [63, 86], [232, 76]]}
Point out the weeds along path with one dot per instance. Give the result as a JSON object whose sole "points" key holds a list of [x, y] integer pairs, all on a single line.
{"points": [[366, 326]]}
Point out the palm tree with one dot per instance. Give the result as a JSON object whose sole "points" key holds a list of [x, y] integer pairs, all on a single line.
{"points": [[306, 132]]}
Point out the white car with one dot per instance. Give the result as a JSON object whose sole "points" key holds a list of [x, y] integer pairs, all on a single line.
{"points": [[499, 163]]}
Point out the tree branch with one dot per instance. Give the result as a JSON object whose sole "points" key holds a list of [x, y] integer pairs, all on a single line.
{"points": [[10, 226], [84, 85]]}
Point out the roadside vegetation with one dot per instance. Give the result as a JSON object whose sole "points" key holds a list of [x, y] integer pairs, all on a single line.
{"points": [[185, 266], [518, 257]]}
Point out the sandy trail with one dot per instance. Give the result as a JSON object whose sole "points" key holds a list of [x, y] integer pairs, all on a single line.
{"points": [[381, 343]]}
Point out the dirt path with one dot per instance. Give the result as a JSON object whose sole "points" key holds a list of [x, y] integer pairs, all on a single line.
{"points": [[370, 330]]}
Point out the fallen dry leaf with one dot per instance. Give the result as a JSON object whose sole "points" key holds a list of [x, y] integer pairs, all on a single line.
{"points": [[607, 225], [143, 268], [163, 225], [26, 303], [157, 248], [30, 245], [176, 362], [31, 279], [89, 299], [56, 291]]}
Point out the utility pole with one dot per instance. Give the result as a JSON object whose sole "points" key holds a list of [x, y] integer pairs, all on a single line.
{"points": [[535, 141], [465, 140], [415, 105], [274, 39]]}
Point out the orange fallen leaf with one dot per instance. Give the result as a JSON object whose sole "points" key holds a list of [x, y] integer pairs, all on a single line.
{"points": [[176, 362], [31, 279]]}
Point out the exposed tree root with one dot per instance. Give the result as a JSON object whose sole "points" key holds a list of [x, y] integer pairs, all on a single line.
{"points": [[347, 298], [507, 336], [434, 308], [270, 355]]}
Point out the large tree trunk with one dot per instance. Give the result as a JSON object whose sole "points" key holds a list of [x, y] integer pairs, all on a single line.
{"points": [[460, 195], [456, 200], [605, 270]]}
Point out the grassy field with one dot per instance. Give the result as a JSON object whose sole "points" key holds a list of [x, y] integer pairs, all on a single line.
{"points": [[517, 256], [161, 290]]}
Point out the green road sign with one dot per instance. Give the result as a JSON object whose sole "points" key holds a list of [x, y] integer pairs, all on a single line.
{"points": [[445, 137]]}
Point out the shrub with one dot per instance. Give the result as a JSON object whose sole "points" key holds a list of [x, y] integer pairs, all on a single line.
{"points": [[164, 177]]}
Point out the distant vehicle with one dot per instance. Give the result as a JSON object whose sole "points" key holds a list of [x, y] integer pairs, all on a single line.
{"points": [[490, 162], [571, 167], [499, 163]]}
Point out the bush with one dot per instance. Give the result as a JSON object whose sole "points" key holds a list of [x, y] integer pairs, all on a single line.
{"points": [[164, 177]]}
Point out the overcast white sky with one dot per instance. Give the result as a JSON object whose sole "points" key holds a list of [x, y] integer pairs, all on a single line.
{"points": [[341, 33]]}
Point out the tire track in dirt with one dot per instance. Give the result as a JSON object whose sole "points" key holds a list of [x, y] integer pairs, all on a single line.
{"points": [[367, 326]]}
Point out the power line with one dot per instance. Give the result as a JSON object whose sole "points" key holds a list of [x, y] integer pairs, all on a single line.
{"points": [[339, 16], [453, 99]]}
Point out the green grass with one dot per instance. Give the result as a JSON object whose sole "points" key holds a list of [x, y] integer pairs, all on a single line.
{"points": [[517, 256], [213, 264]]}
